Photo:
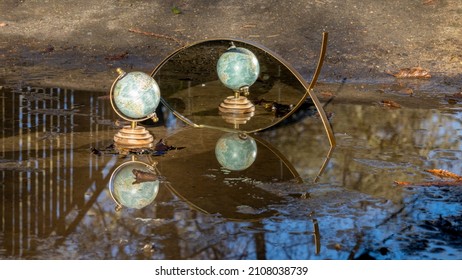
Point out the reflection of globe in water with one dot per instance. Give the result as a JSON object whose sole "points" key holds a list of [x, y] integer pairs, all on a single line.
{"points": [[136, 95], [236, 151], [127, 191], [238, 67]]}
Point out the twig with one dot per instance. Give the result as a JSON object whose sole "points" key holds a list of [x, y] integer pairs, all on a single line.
{"points": [[155, 35]]}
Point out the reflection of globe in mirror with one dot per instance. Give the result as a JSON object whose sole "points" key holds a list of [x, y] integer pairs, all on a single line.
{"points": [[130, 191], [236, 151], [136, 95], [238, 67]]}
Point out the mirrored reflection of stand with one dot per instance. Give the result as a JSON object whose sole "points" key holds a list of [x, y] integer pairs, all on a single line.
{"points": [[237, 109]]}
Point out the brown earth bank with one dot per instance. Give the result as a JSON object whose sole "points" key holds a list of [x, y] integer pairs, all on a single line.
{"points": [[78, 44]]}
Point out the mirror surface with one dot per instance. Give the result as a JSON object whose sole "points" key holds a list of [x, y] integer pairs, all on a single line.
{"points": [[190, 86]]}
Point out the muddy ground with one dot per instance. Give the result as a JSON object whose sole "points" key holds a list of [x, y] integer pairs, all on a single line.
{"points": [[78, 44]]}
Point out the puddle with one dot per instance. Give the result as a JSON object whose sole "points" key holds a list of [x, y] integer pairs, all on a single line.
{"points": [[295, 201]]}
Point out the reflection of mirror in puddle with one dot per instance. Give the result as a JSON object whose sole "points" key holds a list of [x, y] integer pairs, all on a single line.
{"points": [[134, 184]]}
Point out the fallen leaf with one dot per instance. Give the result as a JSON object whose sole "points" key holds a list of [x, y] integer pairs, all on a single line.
{"points": [[457, 95], [176, 10], [454, 98], [429, 2], [390, 104], [162, 146], [3, 24], [95, 151], [398, 88], [143, 176], [408, 91], [327, 93], [454, 179], [441, 183], [414, 72], [444, 174], [48, 49], [401, 183], [452, 101]]}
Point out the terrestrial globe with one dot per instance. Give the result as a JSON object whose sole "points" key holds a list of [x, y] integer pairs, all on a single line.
{"points": [[125, 189], [135, 96], [236, 151], [238, 67]]}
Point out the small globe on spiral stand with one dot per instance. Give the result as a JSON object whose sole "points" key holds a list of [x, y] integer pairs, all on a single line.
{"points": [[236, 151], [238, 68], [134, 184], [134, 97]]}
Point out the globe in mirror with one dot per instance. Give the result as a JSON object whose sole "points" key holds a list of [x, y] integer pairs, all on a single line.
{"points": [[236, 151], [136, 95], [130, 192], [238, 67]]}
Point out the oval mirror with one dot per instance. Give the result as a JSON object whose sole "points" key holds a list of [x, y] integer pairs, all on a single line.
{"points": [[192, 86]]}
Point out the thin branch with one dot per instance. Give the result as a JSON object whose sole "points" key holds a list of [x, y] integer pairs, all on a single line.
{"points": [[155, 35]]}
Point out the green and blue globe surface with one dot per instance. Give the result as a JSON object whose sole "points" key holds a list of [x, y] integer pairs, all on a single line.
{"points": [[236, 152], [238, 67], [136, 95], [131, 195]]}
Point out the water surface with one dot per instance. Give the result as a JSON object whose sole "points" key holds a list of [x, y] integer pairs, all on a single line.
{"points": [[297, 201]]}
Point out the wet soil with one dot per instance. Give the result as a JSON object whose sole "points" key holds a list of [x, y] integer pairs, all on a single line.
{"points": [[77, 44]]}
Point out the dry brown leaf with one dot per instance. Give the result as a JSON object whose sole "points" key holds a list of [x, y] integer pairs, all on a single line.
{"points": [[454, 98], [49, 49], [441, 183], [401, 183], [444, 174], [457, 95], [414, 72], [327, 93], [429, 2], [408, 91], [390, 104], [455, 180], [452, 101]]}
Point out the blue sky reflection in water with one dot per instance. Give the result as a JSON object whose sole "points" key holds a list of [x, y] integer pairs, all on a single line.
{"points": [[55, 202]]}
